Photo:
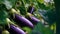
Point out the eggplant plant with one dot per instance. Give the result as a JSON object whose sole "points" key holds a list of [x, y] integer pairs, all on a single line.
{"points": [[23, 21], [17, 18]]}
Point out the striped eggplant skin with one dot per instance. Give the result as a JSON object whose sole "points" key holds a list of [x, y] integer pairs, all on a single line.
{"points": [[33, 19], [16, 30], [23, 21], [31, 9]]}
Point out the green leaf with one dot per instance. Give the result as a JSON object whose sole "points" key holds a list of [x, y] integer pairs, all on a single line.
{"points": [[8, 3], [40, 29], [27, 29], [51, 16], [3, 15], [40, 1], [22, 8], [27, 1]]}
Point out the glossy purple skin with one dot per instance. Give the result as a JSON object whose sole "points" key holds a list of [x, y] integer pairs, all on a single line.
{"points": [[16, 30], [30, 9], [24, 20], [33, 19]]}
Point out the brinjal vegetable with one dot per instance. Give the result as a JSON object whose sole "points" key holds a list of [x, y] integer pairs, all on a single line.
{"points": [[31, 9], [16, 30], [33, 19], [23, 21]]}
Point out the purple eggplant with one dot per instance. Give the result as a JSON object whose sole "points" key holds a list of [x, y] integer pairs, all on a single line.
{"points": [[23, 21], [31, 9], [16, 30], [33, 19]]}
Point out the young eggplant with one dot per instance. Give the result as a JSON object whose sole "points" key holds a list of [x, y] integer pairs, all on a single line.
{"points": [[31, 9], [33, 19], [23, 21], [16, 30]]}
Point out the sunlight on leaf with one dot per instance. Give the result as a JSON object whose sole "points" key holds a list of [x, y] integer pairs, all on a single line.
{"points": [[41, 1]]}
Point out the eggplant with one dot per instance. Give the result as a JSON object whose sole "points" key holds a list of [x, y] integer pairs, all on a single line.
{"points": [[15, 30], [22, 21], [31, 9], [33, 19]]}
